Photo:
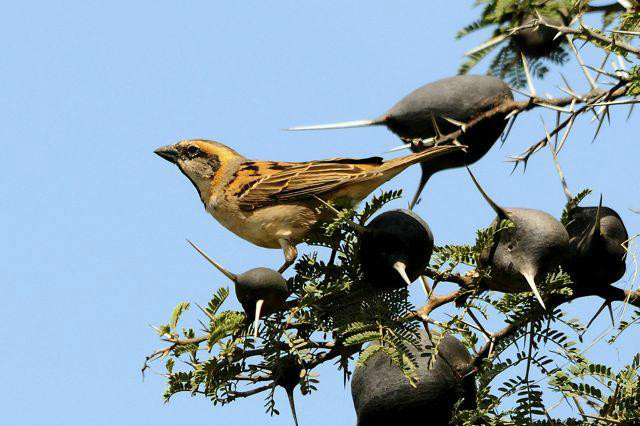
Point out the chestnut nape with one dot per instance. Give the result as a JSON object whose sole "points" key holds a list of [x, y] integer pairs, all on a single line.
{"points": [[260, 291], [440, 108]]}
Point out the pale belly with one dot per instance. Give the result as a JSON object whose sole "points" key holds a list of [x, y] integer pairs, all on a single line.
{"points": [[265, 226]]}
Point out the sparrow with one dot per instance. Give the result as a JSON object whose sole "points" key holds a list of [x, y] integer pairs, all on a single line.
{"points": [[274, 204]]}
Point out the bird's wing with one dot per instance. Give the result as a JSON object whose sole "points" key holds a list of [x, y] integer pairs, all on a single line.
{"points": [[260, 183]]}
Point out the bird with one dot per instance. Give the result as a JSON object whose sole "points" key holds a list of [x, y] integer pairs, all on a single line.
{"points": [[274, 204]]}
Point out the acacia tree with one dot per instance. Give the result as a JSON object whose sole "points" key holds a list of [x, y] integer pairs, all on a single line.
{"points": [[333, 314]]}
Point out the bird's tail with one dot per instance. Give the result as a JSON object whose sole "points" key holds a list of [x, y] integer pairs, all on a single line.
{"points": [[427, 154]]}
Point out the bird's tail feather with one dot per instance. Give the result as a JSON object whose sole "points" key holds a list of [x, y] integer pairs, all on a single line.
{"points": [[424, 155]]}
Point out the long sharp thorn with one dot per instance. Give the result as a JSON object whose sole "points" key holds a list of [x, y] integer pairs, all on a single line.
{"points": [[460, 124], [402, 270], [566, 133], [356, 226], [502, 214], [568, 85], [522, 93], [399, 148], [590, 79], [604, 61], [609, 103], [340, 125], [487, 44], [425, 286], [606, 302], [570, 93], [553, 107], [599, 126], [529, 277], [292, 405], [613, 321], [211, 317], [600, 71], [219, 267], [630, 111], [595, 230], [256, 320], [511, 114], [525, 64], [565, 187], [546, 132], [556, 135], [505, 134], [436, 129]]}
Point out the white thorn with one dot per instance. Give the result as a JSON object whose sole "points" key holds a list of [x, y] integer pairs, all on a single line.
{"points": [[425, 286], [565, 187], [532, 284], [399, 148], [525, 64], [511, 114], [220, 268], [566, 133], [592, 82], [340, 125], [256, 320], [553, 107], [460, 124], [436, 129], [402, 270], [570, 93], [487, 44]]}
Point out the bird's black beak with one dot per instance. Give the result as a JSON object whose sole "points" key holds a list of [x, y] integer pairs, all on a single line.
{"points": [[169, 153]]}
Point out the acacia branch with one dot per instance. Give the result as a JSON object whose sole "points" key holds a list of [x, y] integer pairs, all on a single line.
{"points": [[512, 108], [588, 34], [608, 293]]}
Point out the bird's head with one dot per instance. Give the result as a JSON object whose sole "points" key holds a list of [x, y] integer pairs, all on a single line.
{"points": [[203, 162]]}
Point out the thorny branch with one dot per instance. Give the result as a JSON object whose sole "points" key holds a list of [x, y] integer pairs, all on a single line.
{"points": [[597, 97], [512, 108], [335, 348], [588, 34]]}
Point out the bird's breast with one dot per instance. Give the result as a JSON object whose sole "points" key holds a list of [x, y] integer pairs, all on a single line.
{"points": [[266, 225]]}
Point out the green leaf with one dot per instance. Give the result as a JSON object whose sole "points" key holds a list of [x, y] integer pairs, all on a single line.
{"points": [[177, 312]]}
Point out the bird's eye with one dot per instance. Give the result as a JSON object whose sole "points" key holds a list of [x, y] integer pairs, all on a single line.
{"points": [[193, 151]]}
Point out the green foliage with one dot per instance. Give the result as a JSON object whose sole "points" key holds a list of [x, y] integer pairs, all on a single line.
{"points": [[175, 316], [503, 16], [573, 203], [634, 85], [334, 315], [329, 298]]}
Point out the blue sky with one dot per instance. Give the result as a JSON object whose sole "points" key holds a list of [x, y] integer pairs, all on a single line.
{"points": [[93, 224]]}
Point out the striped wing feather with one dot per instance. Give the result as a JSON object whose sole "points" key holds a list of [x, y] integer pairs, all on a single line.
{"points": [[285, 182]]}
